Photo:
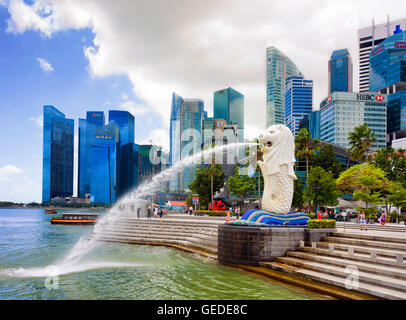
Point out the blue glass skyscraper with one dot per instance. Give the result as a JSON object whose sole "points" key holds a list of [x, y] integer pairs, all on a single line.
{"points": [[298, 101], [125, 123], [340, 71], [388, 76], [278, 68], [57, 165], [105, 169], [185, 136], [87, 137], [228, 104]]}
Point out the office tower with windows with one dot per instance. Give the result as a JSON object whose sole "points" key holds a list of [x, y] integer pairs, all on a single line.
{"points": [[125, 123], [228, 105], [105, 169], [341, 112], [388, 76], [185, 137], [298, 101], [87, 137], [278, 68], [314, 124], [368, 39], [340, 71], [57, 161]]}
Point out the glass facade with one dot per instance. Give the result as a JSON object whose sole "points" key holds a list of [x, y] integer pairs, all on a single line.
{"points": [[388, 75], [228, 104], [185, 137], [340, 71], [341, 112], [298, 101], [105, 169], [314, 124], [125, 123], [57, 166], [278, 67], [87, 137]]}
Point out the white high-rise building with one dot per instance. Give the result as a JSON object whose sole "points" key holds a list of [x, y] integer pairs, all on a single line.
{"points": [[368, 39]]}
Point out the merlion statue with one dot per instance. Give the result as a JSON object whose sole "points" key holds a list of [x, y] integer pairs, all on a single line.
{"points": [[278, 148], [277, 168]]}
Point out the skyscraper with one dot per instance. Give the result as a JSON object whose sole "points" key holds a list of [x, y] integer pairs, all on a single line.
{"points": [[185, 137], [228, 104], [57, 161], [341, 112], [340, 71], [125, 123], [298, 101], [278, 68], [368, 39], [87, 137], [388, 76], [105, 169]]}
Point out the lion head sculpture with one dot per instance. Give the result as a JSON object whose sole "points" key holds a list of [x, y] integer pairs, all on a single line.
{"points": [[278, 149]]}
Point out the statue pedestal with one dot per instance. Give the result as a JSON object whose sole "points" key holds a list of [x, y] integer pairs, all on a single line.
{"points": [[250, 244]]}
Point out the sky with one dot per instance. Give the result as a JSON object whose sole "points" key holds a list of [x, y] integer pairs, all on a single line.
{"points": [[131, 55]]}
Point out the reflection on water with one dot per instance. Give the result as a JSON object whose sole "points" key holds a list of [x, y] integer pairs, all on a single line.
{"points": [[30, 246]]}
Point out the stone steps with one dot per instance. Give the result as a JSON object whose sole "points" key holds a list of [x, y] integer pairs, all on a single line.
{"points": [[354, 257], [375, 227], [199, 234], [365, 243], [372, 267], [365, 277], [337, 280], [370, 237]]}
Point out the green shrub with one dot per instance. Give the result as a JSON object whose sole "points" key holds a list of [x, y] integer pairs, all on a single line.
{"points": [[312, 215], [321, 224], [212, 213]]}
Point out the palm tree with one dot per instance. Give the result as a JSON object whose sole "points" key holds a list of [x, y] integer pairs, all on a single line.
{"points": [[360, 141], [305, 146]]}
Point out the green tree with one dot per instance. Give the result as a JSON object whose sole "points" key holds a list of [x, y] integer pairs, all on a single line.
{"points": [[321, 188], [392, 162], [241, 185], [189, 200], [365, 181], [395, 195], [325, 159], [361, 140], [298, 187], [305, 147], [202, 182]]}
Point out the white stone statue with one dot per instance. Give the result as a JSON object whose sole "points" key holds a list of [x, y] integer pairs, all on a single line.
{"points": [[277, 168]]}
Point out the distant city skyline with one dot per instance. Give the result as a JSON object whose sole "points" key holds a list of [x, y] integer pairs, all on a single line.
{"points": [[108, 59]]}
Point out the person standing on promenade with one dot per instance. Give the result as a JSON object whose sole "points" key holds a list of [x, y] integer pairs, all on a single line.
{"points": [[160, 214], [190, 210], [149, 212], [155, 212], [363, 222], [138, 212], [228, 215], [382, 218]]}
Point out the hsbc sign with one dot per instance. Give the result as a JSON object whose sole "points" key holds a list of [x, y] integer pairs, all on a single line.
{"points": [[370, 97]]}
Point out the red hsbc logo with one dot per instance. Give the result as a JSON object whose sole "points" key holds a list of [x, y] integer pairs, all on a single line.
{"points": [[379, 98], [330, 98]]}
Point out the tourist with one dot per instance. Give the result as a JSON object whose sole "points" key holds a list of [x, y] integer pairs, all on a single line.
{"points": [[236, 212], [228, 215], [149, 212], [190, 210], [382, 218], [138, 212], [363, 222], [160, 214], [155, 212], [319, 215]]}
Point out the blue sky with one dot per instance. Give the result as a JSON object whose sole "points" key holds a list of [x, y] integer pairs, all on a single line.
{"points": [[103, 54], [25, 87]]}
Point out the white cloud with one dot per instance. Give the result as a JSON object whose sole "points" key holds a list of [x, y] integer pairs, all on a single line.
{"points": [[38, 121], [8, 172], [45, 65], [196, 47], [134, 108], [158, 137]]}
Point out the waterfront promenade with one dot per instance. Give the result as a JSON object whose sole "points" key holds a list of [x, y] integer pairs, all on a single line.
{"points": [[350, 265]]}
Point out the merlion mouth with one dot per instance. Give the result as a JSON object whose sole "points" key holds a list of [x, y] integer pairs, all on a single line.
{"points": [[269, 144]]}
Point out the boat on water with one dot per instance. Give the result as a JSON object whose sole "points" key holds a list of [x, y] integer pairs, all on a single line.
{"points": [[50, 211], [75, 219]]}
